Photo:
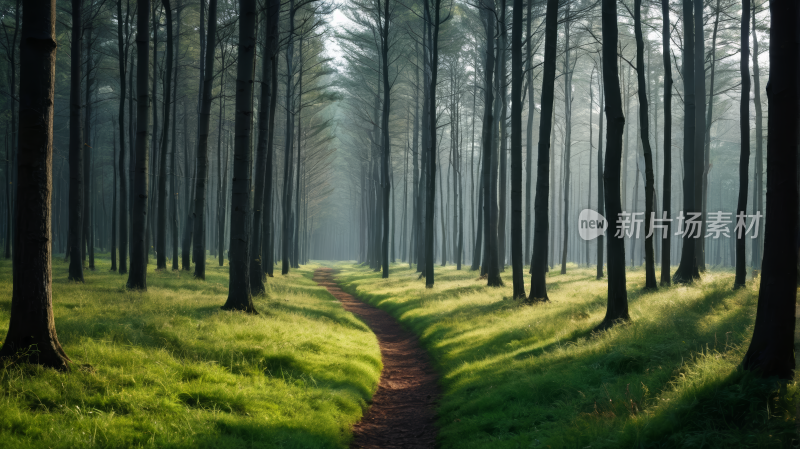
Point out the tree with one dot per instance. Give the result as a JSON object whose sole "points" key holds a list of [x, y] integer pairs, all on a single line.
{"points": [[76, 179], [32, 331], [161, 235], [744, 145], [771, 351], [137, 278], [239, 297], [667, 188], [202, 147], [516, 150], [649, 189], [687, 270], [541, 209], [122, 48], [617, 308]]}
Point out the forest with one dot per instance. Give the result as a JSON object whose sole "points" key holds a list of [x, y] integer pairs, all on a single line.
{"points": [[387, 223]]}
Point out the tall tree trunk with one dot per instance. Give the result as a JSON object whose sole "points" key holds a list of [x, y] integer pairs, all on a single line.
{"points": [[88, 247], [687, 270], [617, 309], [516, 151], [529, 134], [137, 278], [13, 148], [501, 133], [700, 161], [667, 179], [744, 145], [644, 126], [386, 144], [771, 351], [32, 325], [541, 209], [600, 176], [174, 164], [239, 297], [269, 228], [114, 205], [202, 147], [567, 159], [122, 48], [161, 234], [758, 181], [287, 155], [76, 166], [490, 232], [296, 222], [434, 69]]}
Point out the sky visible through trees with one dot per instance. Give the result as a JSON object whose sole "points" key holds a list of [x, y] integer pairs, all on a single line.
{"points": [[514, 139]]}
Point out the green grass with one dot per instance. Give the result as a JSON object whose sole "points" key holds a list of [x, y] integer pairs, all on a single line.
{"points": [[170, 369], [520, 376]]}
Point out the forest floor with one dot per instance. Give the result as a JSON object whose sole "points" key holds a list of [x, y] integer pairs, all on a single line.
{"points": [[170, 369], [521, 376], [402, 413]]}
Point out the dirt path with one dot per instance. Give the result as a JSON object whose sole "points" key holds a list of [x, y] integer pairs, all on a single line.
{"points": [[402, 411]]}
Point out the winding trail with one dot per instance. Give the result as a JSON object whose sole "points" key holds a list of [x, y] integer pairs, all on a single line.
{"points": [[402, 413]]}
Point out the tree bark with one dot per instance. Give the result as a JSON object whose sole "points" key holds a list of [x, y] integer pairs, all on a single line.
{"points": [[434, 64], [161, 234], [386, 144], [644, 125], [667, 179], [617, 309], [758, 181], [700, 161], [202, 147], [239, 297], [771, 351], [32, 329], [76, 178], [744, 145], [516, 151], [541, 207]]}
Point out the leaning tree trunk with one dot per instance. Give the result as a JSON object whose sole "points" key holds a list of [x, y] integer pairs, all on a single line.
{"points": [[617, 309], [687, 270], [644, 125], [540, 207], [744, 145], [76, 181], [771, 351], [161, 235], [32, 329], [667, 179], [239, 297], [137, 278], [122, 48], [516, 151], [202, 147]]}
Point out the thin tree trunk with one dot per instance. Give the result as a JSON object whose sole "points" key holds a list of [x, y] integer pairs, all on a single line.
{"points": [[667, 179], [700, 162], [161, 235], [758, 179], [434, 64], [122, 48], [76, 165], [600, 176], [516, 150], [744, 145]]}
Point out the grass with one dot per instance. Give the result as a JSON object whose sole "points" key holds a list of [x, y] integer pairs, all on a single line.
{"points": [[170, 369], [519, 376]]}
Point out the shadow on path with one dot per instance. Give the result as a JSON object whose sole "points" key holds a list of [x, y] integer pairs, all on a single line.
{"points": [[402, 412]]}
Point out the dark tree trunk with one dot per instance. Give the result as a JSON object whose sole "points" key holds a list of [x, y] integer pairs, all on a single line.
{"points": [[32, 325], [387, 153], [434, 64], [137, 278], [188, 228], [12, 147], [161, 234], [287, 157], [239, 297], [567, 159], [667, 187], [758, 181], [516, 151], [699, 130], [529, 135], [202, 147], [771, 351], [600, 176], [744, 145], [263, 175], [617, 309], [687, 270], [644, 126], [122, 47], [174, 164], [540, 208], [114, 206], [269, 225], [76, 166]]}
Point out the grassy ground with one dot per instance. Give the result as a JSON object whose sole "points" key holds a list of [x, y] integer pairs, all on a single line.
{"points": [[170, 369], [517, 376]]}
